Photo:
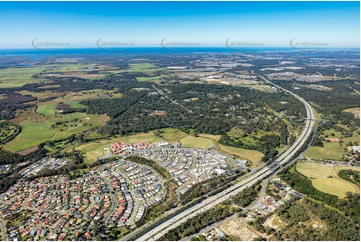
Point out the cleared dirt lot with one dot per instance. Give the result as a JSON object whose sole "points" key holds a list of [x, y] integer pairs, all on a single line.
{"points": [[236, 227]]}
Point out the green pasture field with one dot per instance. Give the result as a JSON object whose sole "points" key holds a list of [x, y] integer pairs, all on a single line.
{"points": [[197, 142], [155, 79], [17, 77], [172, 135], [37, 129], [332, 150], [325, 178], [46, 109], [334, 186]]}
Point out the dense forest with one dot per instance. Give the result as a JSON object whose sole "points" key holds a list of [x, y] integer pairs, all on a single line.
{"points": [[351, 176], [330, 102], [12, 103], [247, 196], [7, 157], [193, 225], [206, 187], [335, 225]]}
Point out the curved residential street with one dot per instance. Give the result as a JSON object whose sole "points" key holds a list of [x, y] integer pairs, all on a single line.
{"points": [[114, 201], [3, 229]]}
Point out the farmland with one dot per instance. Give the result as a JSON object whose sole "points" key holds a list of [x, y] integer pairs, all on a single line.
{"points": [[17, 77], [73, 99], [79, 70], [37, 128], [155, 79], [140, 68], [172, 135], [329, 151], [83, 95], [252, 155], [208, 140], [197, 142], [45, 124], [325, 178], [315, 170], [334, 145], [334, 186], [42, 95], [46, 109], [66, 67], [147, 68]]}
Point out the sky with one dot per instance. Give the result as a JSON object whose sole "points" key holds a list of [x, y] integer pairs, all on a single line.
{"points": [[177, 24]]}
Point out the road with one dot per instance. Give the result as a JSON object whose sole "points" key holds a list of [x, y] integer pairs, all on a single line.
{"points": [[114, 204], [160, 230], [3, 229], [167, 97], [353, 89], [261, 196]]}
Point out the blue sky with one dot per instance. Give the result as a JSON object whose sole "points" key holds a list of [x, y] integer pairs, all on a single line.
{"points": [[203, 23]]}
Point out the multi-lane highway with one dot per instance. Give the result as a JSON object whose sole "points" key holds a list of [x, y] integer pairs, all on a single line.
{"points": [[160, 230]]}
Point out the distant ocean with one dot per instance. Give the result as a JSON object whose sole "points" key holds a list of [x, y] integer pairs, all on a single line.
{"points": [[149, 50]]}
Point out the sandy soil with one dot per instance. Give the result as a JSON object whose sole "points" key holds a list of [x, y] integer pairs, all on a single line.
{"points": [[236, 228], [28, 151]]}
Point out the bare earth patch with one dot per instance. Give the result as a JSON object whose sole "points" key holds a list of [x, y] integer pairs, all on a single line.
{"points": [[28, 151], [236, 228], [274, 222], [332, 139], [18, 119]]}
